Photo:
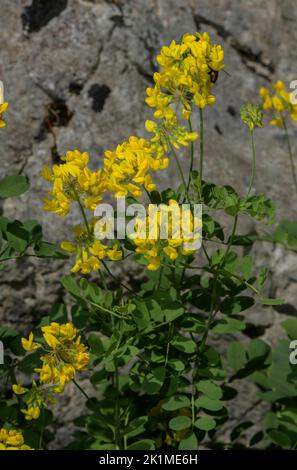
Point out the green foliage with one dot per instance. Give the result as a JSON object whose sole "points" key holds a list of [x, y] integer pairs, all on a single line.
{"points": [[12, 186]]}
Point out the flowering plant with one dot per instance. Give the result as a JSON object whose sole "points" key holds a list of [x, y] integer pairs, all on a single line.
{"points": [[149, 348]]}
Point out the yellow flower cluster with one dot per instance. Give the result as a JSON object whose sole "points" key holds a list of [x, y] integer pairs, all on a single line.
{"points": [[3, 108], [170, 231], [127, 168], [10, 439], [169, 134], [188, 72], [35, 398], [89, 251], [280, 103], [73, 181], [65, 356]]}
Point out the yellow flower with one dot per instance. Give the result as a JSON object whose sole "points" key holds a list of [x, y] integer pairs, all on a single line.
{"points": [[68, 355], [3, 108], [280, 103], [32, 412], [11, 439], [180, 229], [68, 246], [187, 75], [28, 344], [19, 389], [73, 181], [127, 167]]}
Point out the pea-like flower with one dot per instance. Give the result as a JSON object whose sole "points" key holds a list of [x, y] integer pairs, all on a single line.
{"points": [[90, 251], [65, 355], [166, 234], [279, 103], [3, 108], [186, 77], [73, 181], [11, 439], [128, 167]]}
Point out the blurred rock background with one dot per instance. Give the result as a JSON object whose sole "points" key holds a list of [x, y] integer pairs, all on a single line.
{"points": [[75, 74]]}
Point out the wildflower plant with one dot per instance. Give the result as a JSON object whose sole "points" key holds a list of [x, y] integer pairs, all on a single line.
{"points": [[157, 380]]}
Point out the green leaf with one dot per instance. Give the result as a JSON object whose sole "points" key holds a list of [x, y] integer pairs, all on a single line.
{"points": [[17, 236], [235, 305], [186, 345], [290, 326], [176, 365], [179, 423], [136, 426], [209, 389], [95, 344], [257, 349], [205, 423], [176, 402], [70, 285], [280, 438], [236, 356], [189, 442], [246, 267], [154, 380], [30, 362], [144, 444], [49, 250], [12, 186], [228, 325], [208, 404], [275, 301], [286, 234], [262, 277]]}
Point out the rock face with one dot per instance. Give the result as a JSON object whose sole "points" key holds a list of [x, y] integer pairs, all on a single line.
{"points": [[75, 73]]}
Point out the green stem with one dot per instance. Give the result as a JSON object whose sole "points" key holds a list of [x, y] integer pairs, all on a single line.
{"points": [[125, 435], [179, 168], [201, 143], [80, 389], [253, 162], [293, 169], [117, 410], [170, 331], [41, 430], [105, 310], [192, 158], [82, 210], [158, 284], [116, 279], [193, 404], [213, 308]]}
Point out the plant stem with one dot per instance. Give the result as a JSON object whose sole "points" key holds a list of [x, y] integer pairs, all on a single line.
{"points": [[170, 331], [213, 308], [193, 404], [80, 389], [293, 169], [192, 158], [201, 143], [117, 409], [179, 168], [253, 162], [116, 279], [81, 208], [41, 430]]}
